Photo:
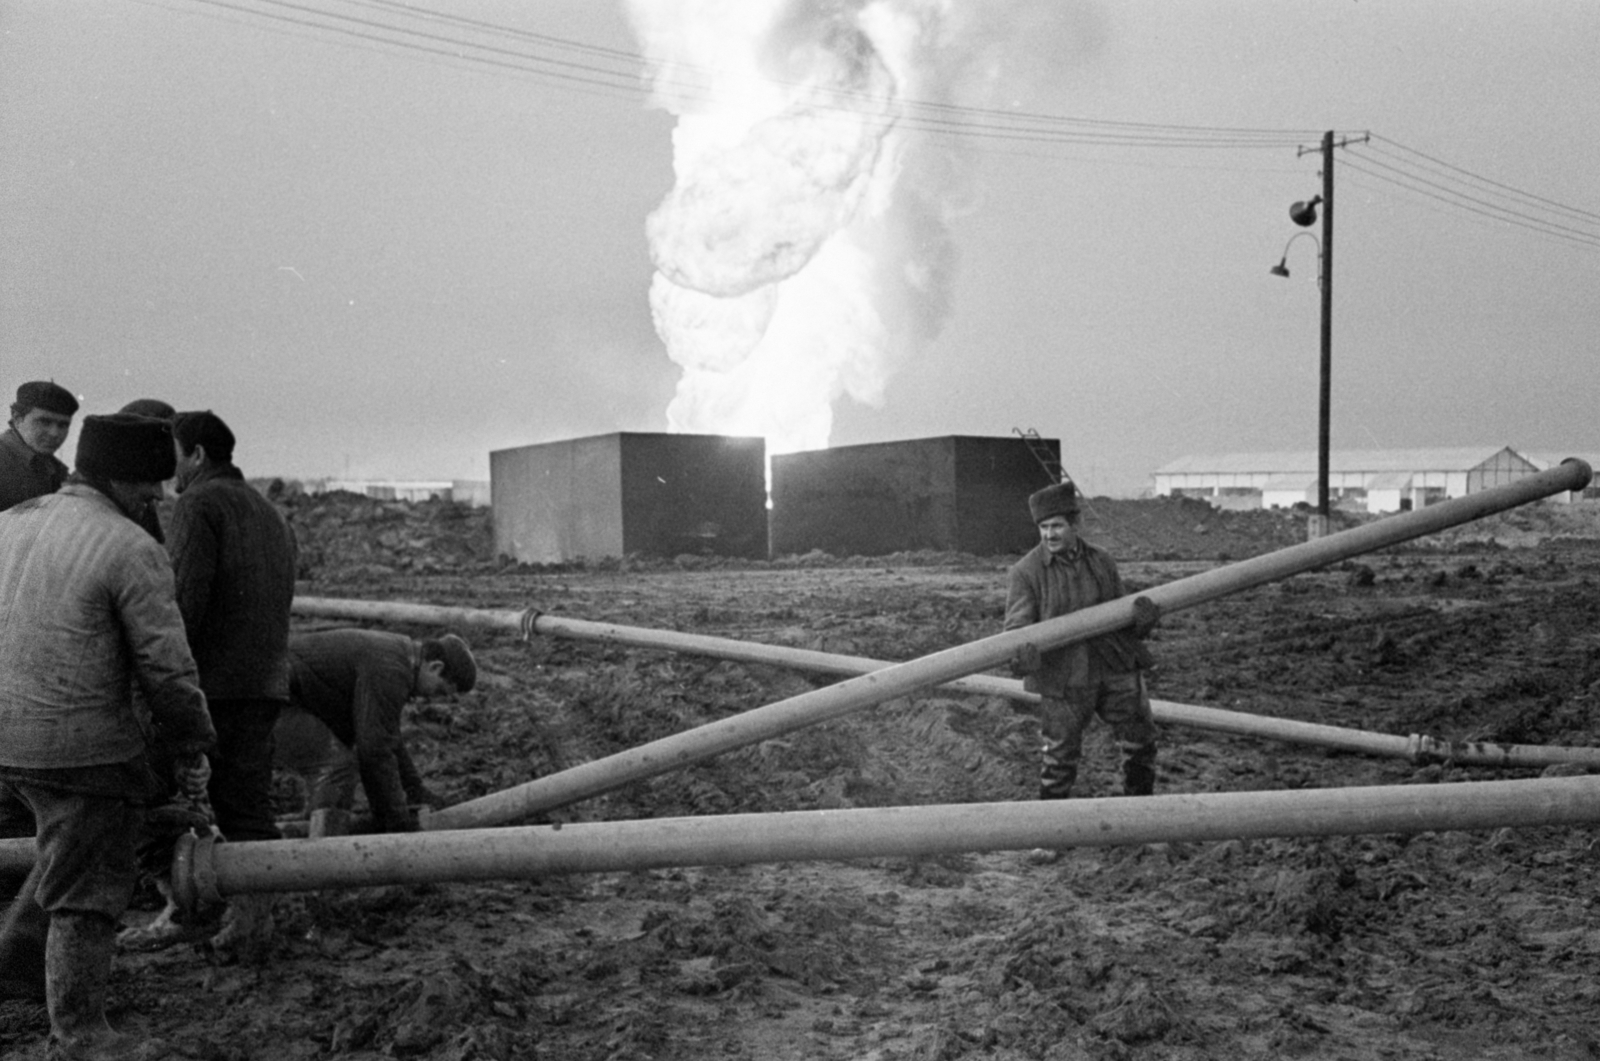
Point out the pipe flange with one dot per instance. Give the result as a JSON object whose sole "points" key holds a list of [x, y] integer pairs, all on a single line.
{"points": [[182, 876], [529, 618], [205, 869]]}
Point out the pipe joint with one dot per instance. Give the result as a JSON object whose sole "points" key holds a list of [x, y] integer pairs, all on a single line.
{"points": [[194, 871]]}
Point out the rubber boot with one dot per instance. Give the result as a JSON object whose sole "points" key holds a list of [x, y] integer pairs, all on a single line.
{"points": [[1138, 779], [1055, 782], [22, 947], [78, 967], [247, 929]]}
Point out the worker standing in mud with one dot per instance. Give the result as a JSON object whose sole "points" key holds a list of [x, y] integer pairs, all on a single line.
{"points": [[347, 692], [1102, 676], [88, 613], [233, 556]]}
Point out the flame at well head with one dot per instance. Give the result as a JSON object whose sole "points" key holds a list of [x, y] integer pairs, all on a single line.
{"points": [[795, 261]]}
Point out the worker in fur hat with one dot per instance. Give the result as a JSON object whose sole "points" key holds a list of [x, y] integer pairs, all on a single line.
{"points": [[87, 612], [149, 517], [347, 692], [41, 417], [1103, 676]]}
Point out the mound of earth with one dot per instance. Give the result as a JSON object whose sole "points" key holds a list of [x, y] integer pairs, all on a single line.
{"points": [[1429, 944]]}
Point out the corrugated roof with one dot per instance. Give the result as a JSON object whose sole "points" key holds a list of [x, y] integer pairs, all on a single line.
{"points": [[1290, 483], [1349, 460], [1390, 481], [1547, 459]]}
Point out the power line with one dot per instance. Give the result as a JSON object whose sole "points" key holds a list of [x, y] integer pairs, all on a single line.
{"points": [[922, 116], [1485, 180], [1473, 204], [572, 73], [582, 67]]}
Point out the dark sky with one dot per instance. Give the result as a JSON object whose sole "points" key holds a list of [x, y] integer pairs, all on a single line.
{"points": [[382, 260]]}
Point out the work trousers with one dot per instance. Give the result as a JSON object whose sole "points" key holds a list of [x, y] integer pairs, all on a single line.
{"points": [[84, 865], [1121, 702], [305, 745], [241, 768]]}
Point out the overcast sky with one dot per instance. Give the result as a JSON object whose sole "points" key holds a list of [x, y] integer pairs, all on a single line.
{"points": [[388, 259]]}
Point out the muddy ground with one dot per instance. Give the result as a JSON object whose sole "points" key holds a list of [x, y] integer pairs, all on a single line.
{"points": [[1442, 945]]}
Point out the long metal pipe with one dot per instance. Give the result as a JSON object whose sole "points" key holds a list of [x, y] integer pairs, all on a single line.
{"points": [[1416, 747], [207, 870], [17, 856], [820, 705]]}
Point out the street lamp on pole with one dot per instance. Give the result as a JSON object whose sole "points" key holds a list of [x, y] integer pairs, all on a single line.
{"points": [[1304, 214]]}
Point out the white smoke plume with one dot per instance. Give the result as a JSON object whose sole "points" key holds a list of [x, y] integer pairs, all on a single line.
{"points": [[803, 252]]}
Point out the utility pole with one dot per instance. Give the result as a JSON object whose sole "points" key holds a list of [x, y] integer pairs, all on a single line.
{"points": [[1325, 396], [1304, 214]]}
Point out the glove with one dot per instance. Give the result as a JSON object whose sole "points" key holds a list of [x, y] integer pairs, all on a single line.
{"points": [[191, 773], [1026, 661], [1146, 614]]}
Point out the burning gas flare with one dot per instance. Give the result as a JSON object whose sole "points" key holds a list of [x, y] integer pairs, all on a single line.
{"points": [[803, 252]]}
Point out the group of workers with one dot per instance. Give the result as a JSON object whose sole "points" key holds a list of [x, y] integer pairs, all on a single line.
{"points": [[131, 674], [144, 662]]}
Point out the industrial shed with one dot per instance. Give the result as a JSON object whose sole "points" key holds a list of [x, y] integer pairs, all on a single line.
{"points": [[956, 493], [1546, 460], [1376, 481], [651, 494]]}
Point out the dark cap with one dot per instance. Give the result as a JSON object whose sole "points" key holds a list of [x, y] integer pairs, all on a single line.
{"points": [[459, 666], [47, 395], [126, 448], [153, 407], [1058, 500]]}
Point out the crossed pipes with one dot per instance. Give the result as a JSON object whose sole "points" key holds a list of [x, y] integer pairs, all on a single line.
{"points": [[476, 840]]}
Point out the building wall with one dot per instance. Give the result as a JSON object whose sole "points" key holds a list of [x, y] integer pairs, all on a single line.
{"points": [[474, 492], [626, 493], [994, 477], [558, 501], [1504, 467], [1373, 488], [700, 494], [959, 493]]}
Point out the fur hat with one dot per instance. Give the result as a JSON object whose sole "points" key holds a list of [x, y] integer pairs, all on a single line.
{"points": [[126, 448], [459, 666], [1058, 500], [47, 395], [154, 407]]}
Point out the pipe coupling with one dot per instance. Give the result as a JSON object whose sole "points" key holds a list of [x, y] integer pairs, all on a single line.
{"points": [[194, 871]]}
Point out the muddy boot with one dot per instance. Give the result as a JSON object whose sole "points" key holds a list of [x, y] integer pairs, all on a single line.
{"points": [[168, 928], [1054, 783], [247, 929], [1138, 770], [22, 945], [1138, 779], [77, 965]]}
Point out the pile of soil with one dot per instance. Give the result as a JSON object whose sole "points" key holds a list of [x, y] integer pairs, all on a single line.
{"points": [[1430, 944], [346, 538]]}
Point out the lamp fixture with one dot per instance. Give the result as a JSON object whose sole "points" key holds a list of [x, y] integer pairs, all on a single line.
{"points": [[1282, 268], [1304, 213]]}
